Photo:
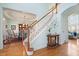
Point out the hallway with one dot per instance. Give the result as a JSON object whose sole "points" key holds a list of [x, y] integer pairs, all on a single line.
{"points": [[16, 49]]}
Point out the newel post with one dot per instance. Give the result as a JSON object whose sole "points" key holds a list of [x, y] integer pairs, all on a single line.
{"points": [[28, 38], [30, 50]]}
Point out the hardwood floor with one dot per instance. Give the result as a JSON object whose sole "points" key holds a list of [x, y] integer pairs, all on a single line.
{"points": [[68, 49], [13, 49]]}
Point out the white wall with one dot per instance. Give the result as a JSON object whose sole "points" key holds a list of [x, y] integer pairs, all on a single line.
{"points": [[1, 24], [41, 39], [64, 33], [65, 6]]}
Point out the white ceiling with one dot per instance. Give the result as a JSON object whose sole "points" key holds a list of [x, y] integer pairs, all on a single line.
{"points": [[18, 15]]}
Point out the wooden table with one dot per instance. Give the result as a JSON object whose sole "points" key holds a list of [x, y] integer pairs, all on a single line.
{"points": [[53, 40]]}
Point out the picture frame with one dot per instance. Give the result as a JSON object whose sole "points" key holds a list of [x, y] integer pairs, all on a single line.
{"points": [[13, 27]]}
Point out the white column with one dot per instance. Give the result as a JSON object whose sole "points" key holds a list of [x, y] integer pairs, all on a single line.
{"points": [[1, 24]]}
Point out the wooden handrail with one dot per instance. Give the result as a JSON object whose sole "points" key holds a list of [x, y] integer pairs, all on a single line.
{"points": [[34, 23], [44, 16], [39, 19]]}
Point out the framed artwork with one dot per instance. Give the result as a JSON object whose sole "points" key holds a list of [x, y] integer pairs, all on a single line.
{"points": [[13, 27]]}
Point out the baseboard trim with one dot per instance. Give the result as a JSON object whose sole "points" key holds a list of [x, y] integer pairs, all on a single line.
{"points": [[41, 47]]}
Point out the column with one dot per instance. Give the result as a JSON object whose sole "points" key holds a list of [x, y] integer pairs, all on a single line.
{"points": [[1, 24]]}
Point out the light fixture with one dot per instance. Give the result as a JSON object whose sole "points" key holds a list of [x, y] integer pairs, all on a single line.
{"points": [[19, 26], [3, 19], [23, 24]]}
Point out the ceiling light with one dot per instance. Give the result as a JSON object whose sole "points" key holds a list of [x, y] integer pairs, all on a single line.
{"points": [[4, 19]]}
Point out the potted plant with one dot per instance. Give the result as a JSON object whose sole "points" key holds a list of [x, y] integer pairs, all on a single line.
{"points": [[49, 30]]}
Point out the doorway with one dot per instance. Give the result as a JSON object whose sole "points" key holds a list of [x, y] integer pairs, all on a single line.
{"points": [[70, 13], [73, 26]]}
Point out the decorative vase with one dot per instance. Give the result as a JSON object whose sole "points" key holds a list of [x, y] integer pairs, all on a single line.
{"points": [[30, 52]]}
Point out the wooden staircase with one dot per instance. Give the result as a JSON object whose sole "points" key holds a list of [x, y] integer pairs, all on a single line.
{"points": [[27, 43]]}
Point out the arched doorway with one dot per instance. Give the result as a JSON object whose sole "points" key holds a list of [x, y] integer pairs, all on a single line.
{"points": [[64, 20]]}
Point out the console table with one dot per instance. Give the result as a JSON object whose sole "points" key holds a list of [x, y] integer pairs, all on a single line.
{"points": [[53, 40]]}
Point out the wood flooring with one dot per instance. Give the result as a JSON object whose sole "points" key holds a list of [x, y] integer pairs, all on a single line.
{"points": [[68, 49]]}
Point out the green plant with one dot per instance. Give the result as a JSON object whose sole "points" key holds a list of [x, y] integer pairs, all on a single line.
{"points": [[49, 29]]}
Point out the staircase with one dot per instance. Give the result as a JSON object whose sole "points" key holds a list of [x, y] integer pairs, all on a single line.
{"points": [[38, 30]]}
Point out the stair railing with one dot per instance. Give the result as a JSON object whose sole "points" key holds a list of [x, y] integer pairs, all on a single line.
{"points": [[31, 27], [37, 23]]}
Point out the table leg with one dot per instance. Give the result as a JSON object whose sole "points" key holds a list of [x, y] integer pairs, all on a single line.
{"points": [[55, 40], [58, 40]]}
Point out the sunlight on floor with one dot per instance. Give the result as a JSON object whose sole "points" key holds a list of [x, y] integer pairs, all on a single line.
{"points": [[73, 48], [69, 49]]}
